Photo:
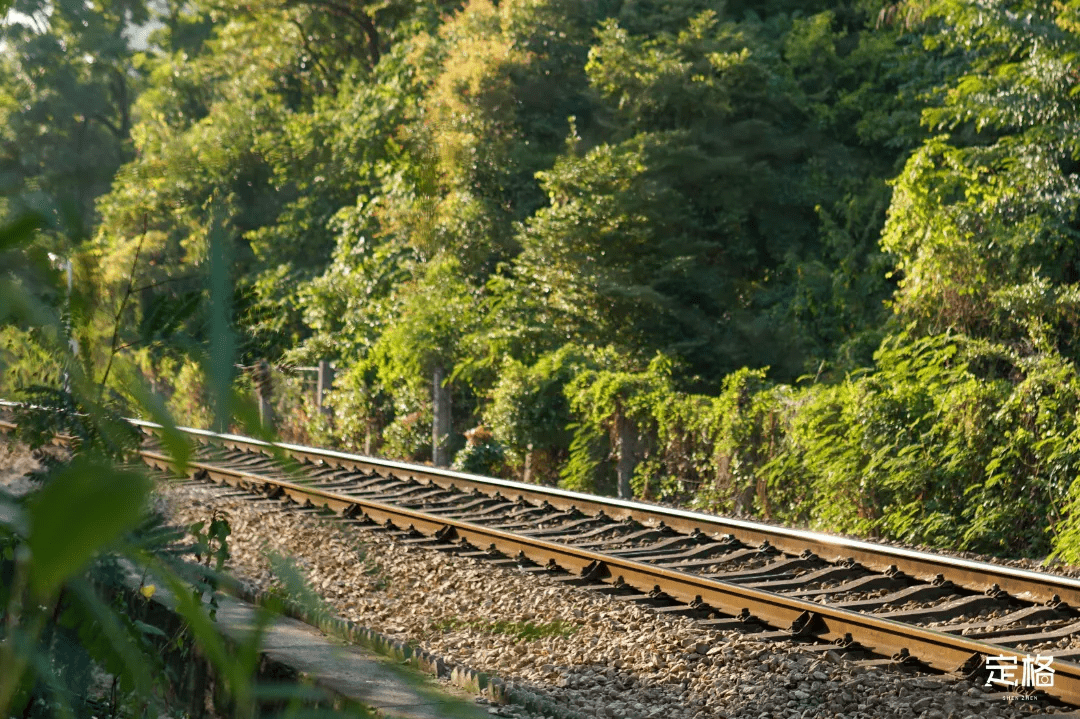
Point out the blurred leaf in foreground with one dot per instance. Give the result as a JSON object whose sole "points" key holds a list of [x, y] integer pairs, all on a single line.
{"points": [[83, 508]]}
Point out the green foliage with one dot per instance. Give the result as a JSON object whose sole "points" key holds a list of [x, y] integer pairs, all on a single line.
{"points": [[431, 318], [482, 453], [64, 552], [712, 447], [25, 362], [97, 427], [829, 249], [428, 320], [291, 584], [65, 548], [934, 447], [528, 409], [358, 407], [949, 441], [76, 514], [990, 207], [649, 238], [586, 468], [189, 397], [68, 78], [211, 541], [408, 436], [599, 398], [495, 113]]}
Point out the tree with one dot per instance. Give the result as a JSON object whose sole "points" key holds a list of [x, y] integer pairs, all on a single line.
{"points": [[422, 344], [274, 121], [494, 114], [68, 79], [983, 221], [661, 237]]}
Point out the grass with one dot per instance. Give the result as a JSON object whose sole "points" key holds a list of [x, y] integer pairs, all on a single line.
{"points": [[527, 631]]}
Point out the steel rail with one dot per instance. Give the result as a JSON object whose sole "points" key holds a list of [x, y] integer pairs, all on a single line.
{"points": [[940, 651], [977, 576]]}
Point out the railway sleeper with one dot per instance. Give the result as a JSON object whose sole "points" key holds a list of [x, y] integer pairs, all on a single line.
{"points": [[423, 501], [518, 525], [697, 609], [729, 557], [920, 593], [845, 645], [569, 529], [552, 567], [901, 661], [460, 511], [415, 490], [527, 512], [1040, 637], [491, 553], [656, 597], [253, 463], [519, 511], [373, 488], [331, 485], [806, 628], [623, 526], [390, 497], [1042, 613], [744, 621], [644, 535], [455, 502], [893, 580], [722, 545], [772, 569], [949, 610], [827, 574], [994, 635], [664, 548]]}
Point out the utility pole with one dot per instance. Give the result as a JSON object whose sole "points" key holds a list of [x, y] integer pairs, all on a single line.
{"points": [[264, 386], [74, 342], [69, 323], [528, 471], [440, 426], [626, 442], [325, 382]]}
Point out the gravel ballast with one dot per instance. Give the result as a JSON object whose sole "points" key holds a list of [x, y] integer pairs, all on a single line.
{"points": [[590, 654], [16, 464]]}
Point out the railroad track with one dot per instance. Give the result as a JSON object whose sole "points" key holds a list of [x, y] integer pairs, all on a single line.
{"points": [[876, 604]]}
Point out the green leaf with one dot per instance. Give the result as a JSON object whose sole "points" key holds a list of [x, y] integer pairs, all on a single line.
{"points": [[150, 629], [83, 509], [176, 443], [20, 230], [118, 638]]}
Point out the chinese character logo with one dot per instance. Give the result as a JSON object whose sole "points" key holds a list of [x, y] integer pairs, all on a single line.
{"points": [[1035, 672]]}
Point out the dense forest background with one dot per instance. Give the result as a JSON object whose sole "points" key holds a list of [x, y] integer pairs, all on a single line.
{"points": [[806, 260]]}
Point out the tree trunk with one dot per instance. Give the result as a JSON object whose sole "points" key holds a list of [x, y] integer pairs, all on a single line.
{"points": [[440, 427], [626, 442]]}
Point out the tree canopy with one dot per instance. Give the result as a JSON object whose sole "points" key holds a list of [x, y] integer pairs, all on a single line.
{"points": [[815, 261]]}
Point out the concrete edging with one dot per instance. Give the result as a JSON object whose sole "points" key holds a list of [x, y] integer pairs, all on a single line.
{"points": [[498, 690]]}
